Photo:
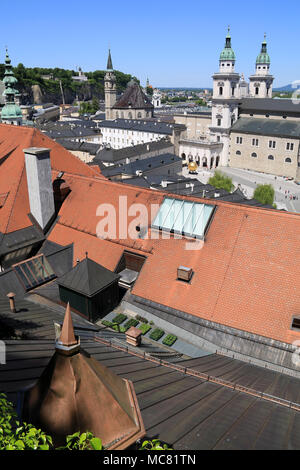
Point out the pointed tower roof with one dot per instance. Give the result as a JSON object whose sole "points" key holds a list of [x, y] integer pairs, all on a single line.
{"points": [[227, 53], [109, 61], [77, 393], [67, 337], [263, 58], [88, 278]]}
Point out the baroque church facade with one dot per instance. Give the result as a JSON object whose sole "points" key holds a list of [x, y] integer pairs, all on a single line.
{"points": [[246, 128], [133, 104]]}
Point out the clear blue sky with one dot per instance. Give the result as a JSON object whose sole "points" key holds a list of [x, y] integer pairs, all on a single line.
{"points": [[175, 43]]}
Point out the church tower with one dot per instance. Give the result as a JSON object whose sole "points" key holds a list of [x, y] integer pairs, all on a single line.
{"points": [[11, 112], [110, 88], [226, 95], [261, 83]]}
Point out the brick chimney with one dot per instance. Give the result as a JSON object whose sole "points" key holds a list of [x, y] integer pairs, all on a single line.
{"points": [[39, 182]]}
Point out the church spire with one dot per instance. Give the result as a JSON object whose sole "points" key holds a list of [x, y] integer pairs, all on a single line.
{"points": [[11, 113], [67, 343], [109, 61]]}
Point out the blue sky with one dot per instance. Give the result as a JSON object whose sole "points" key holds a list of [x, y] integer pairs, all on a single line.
{"points": [[175, 43]]}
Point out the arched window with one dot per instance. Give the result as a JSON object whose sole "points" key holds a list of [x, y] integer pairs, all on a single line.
{"points": [[238, 152], [183, 156], [257, 91], [254, 155], [221, 91], [270, 157], [139, 115], [130, 115], [288, 160]]}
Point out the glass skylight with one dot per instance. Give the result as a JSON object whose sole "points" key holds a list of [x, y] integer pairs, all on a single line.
{"points": [[34, 272], [183, 217]]}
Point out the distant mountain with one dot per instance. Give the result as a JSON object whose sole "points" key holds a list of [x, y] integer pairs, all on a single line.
{"points": [[287, 88]]}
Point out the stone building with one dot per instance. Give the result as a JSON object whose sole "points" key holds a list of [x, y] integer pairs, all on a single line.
{"points": [[133, 104], [244, 119], [266, 145]]}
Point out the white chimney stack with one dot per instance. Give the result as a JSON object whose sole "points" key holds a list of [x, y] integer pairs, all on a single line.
{"points": [[39, 182]]}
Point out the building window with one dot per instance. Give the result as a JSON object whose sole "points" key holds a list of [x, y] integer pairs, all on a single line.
{"points": [[257, 91], [254, 155], [238, 153], [221, 91], [272, 144], [255, 142], [288, 160], [290, 146], [218, 138], [232, 91], [219, 122], [239, 140], [296, 323], [270, 157]]}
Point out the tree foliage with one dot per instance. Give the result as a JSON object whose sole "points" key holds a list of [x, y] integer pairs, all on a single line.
{"points": [[265, 194], [221, 181], [15, 435]]}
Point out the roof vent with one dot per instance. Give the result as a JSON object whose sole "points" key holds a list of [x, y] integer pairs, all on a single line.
{"points": [[184, 274]]}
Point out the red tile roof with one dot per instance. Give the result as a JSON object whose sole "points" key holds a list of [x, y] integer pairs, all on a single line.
{"points": [[247, 275], [13, 181]]}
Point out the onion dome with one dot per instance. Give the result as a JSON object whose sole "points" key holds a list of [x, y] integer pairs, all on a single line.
{"points": [[263, 57], [227, 53]]}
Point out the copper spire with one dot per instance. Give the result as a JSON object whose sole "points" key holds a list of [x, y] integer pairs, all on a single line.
{"points": [[67, 337]]}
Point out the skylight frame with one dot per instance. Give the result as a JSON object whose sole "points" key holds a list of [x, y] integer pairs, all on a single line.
{"points": [[29, 272], [163, 220]]}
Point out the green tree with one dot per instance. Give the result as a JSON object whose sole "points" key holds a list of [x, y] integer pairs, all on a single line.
{"points": [[265, 194], [149, 90], [221, 181]]}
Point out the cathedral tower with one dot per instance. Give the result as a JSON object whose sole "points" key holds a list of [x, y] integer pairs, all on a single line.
{"points": [[110, 88], [226, 95], [262, 82]]}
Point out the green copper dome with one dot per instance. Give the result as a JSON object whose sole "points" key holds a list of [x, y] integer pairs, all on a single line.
{"points": [[263, 57], [11, 111], [227, 53]]}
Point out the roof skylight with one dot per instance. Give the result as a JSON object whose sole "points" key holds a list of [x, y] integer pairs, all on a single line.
{"points": [[34, 272], [183, 217]]}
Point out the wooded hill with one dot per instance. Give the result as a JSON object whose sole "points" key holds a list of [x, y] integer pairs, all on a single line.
{"points": [[49, 82]]}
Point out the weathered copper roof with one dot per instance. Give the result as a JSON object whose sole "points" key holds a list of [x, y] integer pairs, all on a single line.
{"points": [[77, 393]]}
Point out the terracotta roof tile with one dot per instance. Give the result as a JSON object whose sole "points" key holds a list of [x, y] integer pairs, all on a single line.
{"points": [[246, 276]]}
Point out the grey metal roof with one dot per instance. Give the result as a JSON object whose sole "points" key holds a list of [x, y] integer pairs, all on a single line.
{"points": [[114, 155], [281, 106], [144, 165], [20, 239], [88, 278], [268, 127], [156, 127], [88, 147], [187, 412]]}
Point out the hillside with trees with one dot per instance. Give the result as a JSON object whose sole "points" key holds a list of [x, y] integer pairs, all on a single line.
{"points": [[48, 81]]}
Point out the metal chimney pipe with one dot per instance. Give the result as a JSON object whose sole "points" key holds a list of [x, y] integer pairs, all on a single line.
{"points": [[12, 303]]}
